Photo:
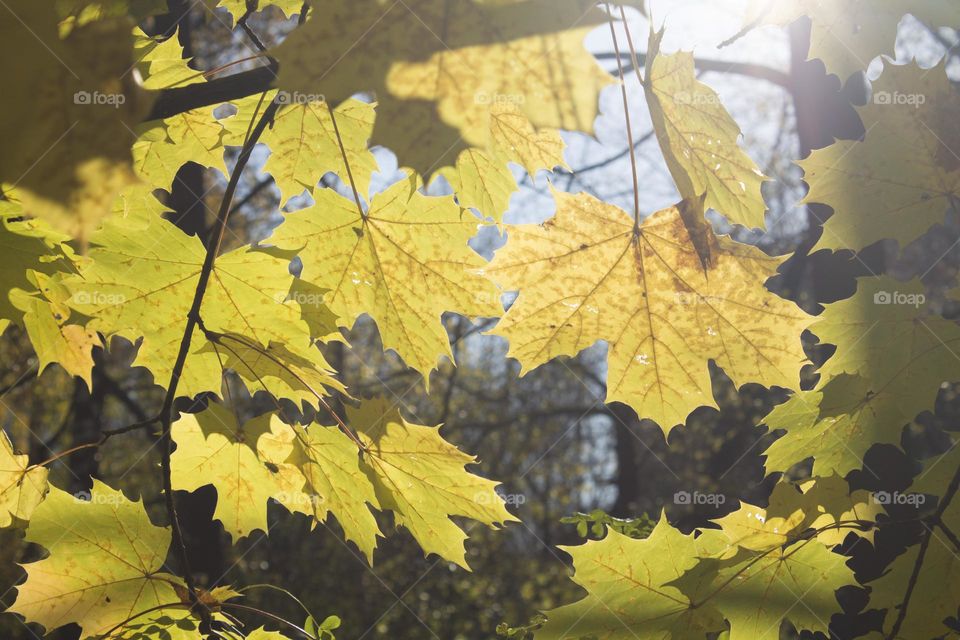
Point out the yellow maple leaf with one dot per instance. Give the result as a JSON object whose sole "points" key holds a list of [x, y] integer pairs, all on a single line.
{"points": [[214, 448], [140, 284], [699, 139], [304, 144], [405, 263], [104, 565], [324, 477], [482, 180], [437, 68], [421, 478], [585, 276], [21, 487]]}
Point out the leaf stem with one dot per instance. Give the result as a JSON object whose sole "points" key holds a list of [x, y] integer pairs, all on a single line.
{"points": [[626, 117], [346, 163]]}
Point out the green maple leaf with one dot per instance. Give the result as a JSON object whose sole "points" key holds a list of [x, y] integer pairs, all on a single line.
{"points": [[901, 179], [584, 276], [630, 590], [848, 35], [104, 565], [868, 391], [140, 284], [937, 589], [756, 592]]}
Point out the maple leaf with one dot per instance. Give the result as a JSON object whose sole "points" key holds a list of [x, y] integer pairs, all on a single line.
{"points": [[161, 63], [404, 263], [46, 317], [482, 180], [163, 146], [140, 283], [22, 487], [304, 145], [755, 592], [25, 246], [239, 7], [421, 478], [214, 448], [848, 35], [630, 590], [327, 478], [830, 500], [584, 276], [815, 504], [67, 146], [868, 391], [903, 177], [699, 139], [104, 565], [437, 68]]}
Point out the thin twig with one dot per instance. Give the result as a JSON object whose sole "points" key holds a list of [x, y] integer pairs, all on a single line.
{"points": [[104, 436], [924, 544], [267, 614], [250, 33]]}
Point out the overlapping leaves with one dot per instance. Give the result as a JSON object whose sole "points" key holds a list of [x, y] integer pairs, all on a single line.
{"points": [[586, 275]]}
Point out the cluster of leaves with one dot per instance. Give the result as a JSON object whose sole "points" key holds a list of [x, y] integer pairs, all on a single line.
{"points": [[462, 90]]}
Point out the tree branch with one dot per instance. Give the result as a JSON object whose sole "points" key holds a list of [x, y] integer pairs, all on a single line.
{"points": [[758, 71], [178, 100]]}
